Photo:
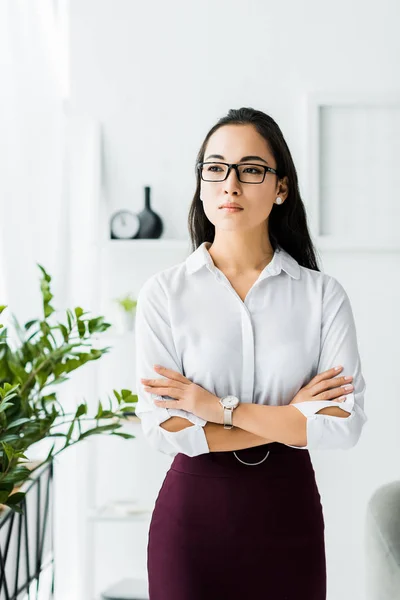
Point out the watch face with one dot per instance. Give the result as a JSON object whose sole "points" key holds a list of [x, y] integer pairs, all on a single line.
{"points": [[230, 401]]}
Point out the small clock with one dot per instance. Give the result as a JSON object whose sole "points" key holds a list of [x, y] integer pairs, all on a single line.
{"points": [[124, 225]]}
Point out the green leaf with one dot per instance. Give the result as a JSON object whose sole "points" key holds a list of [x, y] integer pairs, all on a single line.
{"points": [[7, 387], [15, 498], [78, 312], [48, 310], [6, 487], [46, 276], [81, 410], [3, 497], [97, 325], [9, 450], [128, 397], [81, 328], [69, 319], [100, 429], [9, 438], [18, 422], [106, 414], [21, 455], [118, 396], [127, 409], [99, 411], [17, 475], [64, 332], [126, 436], [70, 430]]}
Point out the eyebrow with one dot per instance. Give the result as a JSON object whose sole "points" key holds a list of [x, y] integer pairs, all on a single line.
{"points": [[244, 158]]}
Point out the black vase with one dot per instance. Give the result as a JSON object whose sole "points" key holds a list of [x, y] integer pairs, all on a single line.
{"points": [[151, 225]]}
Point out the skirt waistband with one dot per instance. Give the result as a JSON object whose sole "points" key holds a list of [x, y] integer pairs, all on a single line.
{"points": [[274, 458]]}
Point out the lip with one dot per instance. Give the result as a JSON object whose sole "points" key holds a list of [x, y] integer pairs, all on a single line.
{"points": [[231, 205], [233, 209]]}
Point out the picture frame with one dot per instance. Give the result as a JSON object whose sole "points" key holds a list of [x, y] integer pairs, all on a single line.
{"points": [[351, 206]]}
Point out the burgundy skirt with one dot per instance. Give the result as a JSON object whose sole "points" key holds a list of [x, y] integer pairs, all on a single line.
{"points": [[223, 530]]}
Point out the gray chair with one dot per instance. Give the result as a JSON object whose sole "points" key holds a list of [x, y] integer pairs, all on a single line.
{"points": [[382, 543], [127, 589]]}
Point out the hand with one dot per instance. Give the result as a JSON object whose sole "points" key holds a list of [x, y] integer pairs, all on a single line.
{"points": [[319, 388], [189, 396]]}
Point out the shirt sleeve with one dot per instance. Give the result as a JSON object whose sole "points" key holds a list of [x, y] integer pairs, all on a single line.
{"points": [[154, 344], [338, 347]]}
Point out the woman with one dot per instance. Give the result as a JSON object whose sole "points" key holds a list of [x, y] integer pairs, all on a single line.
{"points": [[245, 331]]}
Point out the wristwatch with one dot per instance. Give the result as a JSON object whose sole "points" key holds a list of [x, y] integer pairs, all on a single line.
{"points": [[229, 404]]}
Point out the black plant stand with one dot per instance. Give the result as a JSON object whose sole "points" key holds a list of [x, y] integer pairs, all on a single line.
{"points": [[26, 541]]}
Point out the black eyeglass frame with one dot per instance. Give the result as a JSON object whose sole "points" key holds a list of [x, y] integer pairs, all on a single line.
{"points": [[235, 166]]}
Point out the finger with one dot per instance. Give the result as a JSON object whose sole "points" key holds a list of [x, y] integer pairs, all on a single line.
{"points": [[163, 383], [171, 374], [169, 403], [336, 382], [165, 391], [332, 394], [325, 375], [160, 382]]}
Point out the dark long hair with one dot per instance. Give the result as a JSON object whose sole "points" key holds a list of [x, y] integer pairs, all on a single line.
{"points": [[287, 223]]}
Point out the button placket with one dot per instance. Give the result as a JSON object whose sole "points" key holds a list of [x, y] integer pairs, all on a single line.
{"points": [[247, 379], [247, 357]]}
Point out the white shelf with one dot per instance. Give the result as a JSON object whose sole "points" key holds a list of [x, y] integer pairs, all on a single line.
{"points": [[145, 244], [107, 513]]}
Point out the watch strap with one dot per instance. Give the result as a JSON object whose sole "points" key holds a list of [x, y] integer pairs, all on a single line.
{"points": [[228, 418]]}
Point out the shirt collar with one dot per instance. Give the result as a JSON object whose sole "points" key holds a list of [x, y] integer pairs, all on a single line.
{"points": [[281, 260]]}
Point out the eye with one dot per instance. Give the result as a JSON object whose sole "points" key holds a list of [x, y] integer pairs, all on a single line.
{"points": [[254, 170]]}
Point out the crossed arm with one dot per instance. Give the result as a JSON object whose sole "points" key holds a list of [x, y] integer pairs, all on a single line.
{"points": [[218, 438], [225, 440]]}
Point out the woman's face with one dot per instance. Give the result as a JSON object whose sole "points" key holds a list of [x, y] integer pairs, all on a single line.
{"points": [[238, 144]]}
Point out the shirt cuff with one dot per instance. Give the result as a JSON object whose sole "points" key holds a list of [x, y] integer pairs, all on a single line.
{"points": [[309, 410], [191, 441], [313, 406], [179, 412], [314, 434]]}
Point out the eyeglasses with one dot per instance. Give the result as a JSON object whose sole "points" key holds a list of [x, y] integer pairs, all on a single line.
{"points": [[246, 172]]}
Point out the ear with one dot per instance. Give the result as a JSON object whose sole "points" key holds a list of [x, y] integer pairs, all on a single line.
{"points": [[283, 188]]}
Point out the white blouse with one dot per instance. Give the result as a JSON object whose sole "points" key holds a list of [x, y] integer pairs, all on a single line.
{"points": [[294, 323]]}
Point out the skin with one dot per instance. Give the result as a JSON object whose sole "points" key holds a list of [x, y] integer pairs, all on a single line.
{"points": [[241, 245]]}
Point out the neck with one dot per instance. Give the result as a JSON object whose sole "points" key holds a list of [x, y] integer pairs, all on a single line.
{"points": [[239, 255]]}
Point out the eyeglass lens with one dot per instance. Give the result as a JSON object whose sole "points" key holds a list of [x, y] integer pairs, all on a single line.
{"points": [[247, 173]]}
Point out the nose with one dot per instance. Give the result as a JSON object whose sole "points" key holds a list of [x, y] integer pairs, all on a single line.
{"points": [[232, 183]]}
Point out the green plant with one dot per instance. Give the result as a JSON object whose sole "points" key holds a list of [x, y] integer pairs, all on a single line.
{"points": [[127, 303], [48, 352]]}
